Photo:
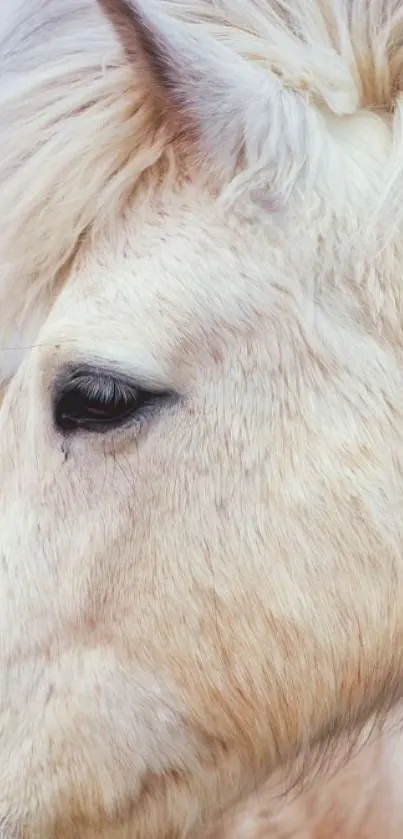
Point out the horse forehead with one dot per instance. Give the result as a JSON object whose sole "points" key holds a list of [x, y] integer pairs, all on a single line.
{"points": [[174, 273]]}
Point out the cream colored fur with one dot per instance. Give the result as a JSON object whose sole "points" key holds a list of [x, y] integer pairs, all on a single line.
{"points": [[205, 195], [356, 798]]}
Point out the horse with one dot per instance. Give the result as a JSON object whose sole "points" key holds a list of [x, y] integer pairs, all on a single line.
{"points": [[201, 425]]}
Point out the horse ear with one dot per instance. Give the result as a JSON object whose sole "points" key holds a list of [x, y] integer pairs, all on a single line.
{"points": [[229, 106]]}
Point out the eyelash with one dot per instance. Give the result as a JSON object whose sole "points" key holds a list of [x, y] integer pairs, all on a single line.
{"points": [[92, 400]]}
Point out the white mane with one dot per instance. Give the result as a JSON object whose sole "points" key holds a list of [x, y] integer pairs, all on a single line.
{"points": [[78, 126]]}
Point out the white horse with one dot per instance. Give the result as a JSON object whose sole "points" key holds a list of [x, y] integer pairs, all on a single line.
{"points": [[201, 437]]}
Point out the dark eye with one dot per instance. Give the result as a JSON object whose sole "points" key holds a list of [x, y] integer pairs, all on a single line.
{"points": [[91, 399]]}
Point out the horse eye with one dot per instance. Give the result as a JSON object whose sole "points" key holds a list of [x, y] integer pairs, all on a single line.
{"points": [[91, 399]]}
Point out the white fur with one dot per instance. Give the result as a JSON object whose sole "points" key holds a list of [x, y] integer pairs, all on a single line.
{"points": [[205, 195]]}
